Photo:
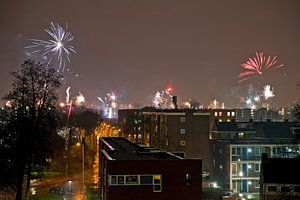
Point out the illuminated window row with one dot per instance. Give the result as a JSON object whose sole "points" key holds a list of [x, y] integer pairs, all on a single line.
{"points": [[119, 180]]}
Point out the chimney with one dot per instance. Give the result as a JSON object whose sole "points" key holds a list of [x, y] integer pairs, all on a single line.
{"points": [[175, 101]]}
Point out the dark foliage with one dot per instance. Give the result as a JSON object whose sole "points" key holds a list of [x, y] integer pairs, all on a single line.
{"points": [[32, 119]]}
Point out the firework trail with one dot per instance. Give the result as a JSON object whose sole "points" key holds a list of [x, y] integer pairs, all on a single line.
{"points": [[268, 92], [68, 95], [257, 64], [56, 48], [163, 98]]}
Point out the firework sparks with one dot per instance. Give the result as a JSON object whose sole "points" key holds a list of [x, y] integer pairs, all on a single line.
{"points": [[57, 48], [268, 92], [80, 99], [109, 105], [257, 64], [163, 98]]}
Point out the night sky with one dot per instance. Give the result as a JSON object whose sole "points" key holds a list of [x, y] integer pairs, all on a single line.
{"points": [[136, 47]]}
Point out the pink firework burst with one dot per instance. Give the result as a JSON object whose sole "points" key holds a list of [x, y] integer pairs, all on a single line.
{"points": [[257, 64]]}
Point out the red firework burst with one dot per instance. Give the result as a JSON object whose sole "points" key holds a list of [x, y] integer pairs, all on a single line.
{"points": [[257, 64]]}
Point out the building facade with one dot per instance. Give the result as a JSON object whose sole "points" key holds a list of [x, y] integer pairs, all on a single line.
{"points": [[237, 149], [128, 171], [181, 131], [279, 178]]}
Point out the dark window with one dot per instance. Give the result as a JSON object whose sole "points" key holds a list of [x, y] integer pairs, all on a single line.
{"points": [[157, 188], [238, 151], [297, 189], [132, 179], [272, 189], [285, 189], [113, 180], [256, 167], [233, 151], [146, 180], [120, 180]]}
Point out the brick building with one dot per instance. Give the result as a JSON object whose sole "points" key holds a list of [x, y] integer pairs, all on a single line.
{"points": [[128, 171]]}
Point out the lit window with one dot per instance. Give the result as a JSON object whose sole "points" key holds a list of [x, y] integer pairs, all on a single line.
{"points": [[188, 179], [220, 120], [182, 131], [228, 114], [232, 114], [241, 134], [228, 120], [182, 119], [220, 113], [216, 114], [156, 183]]}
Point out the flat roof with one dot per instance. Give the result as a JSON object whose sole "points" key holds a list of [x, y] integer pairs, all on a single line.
{"points": [[122, 149]]}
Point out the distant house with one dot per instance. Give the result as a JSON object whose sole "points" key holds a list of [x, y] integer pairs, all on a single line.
{"points": [[128, 171], [280, 178]]}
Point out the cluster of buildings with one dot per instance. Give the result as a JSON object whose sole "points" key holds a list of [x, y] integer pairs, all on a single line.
{"points": [[212, 142]]}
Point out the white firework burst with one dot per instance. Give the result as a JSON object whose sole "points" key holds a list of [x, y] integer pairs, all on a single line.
{"points": [[57, 49]]}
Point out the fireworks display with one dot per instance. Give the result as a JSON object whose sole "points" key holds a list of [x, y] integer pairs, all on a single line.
{"points": [[57, 48], [256, 65], [80, 99], [68, 95], [163, 99], [109, 105], [267, 92]]}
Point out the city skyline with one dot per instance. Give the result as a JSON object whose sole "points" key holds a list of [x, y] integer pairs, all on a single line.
{"points": [[136, 48]]}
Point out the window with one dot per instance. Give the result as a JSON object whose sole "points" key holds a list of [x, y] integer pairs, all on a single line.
{"points": [[256, 167], [220, 120], [220, 114], [182, 119], [120, 180], [232, 114], [228, 114], [234, 151], [113, 180], [182, 131], [146, 179], [216, 114], [156, 183], [272, 188], [285, 189], [188, 179], [132, 180], [238, 151], [234, 168], [257, 151]]}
